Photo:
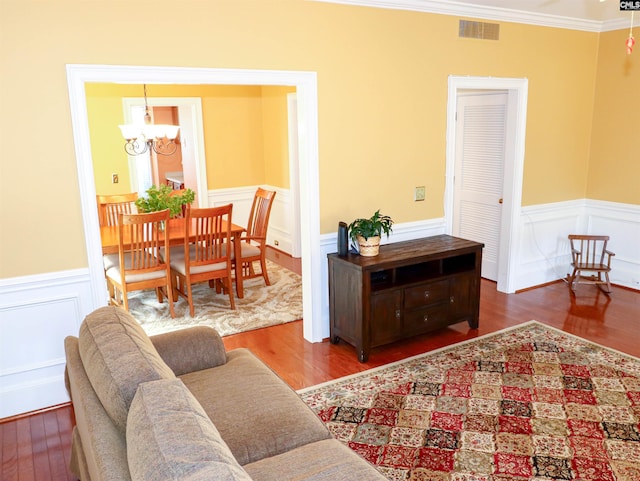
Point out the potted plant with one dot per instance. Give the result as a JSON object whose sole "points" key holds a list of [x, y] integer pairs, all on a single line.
{"points": [[164, 197], [367, 232]]}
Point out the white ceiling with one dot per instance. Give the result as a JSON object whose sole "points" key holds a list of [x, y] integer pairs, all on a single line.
{"points": [[589, 15]]}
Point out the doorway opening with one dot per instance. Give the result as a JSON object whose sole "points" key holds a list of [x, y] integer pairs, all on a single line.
{"points": [[516, 108], [305, 84]]}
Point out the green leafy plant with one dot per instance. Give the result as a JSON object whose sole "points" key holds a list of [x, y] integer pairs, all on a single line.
{"points": [[163, 197], [371, 227]]}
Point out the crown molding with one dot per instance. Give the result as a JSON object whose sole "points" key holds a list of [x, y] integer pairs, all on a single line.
{"points": [[462, 9]]}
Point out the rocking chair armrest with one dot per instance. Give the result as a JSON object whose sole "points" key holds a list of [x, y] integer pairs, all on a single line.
{"points": [[609, 255]]}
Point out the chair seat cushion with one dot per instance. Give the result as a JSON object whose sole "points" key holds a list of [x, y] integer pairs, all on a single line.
{"points": [[179, 263], [118, 355], [249, 250], [110, 260], [115, 273], [169, 437]]}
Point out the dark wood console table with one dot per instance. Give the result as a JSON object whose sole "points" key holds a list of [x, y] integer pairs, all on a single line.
{"points": [[408, 289]]}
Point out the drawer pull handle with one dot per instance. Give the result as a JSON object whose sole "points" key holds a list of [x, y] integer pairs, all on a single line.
{"points": [[451, 300], [426, 294], [397, 313], [425, 318]]}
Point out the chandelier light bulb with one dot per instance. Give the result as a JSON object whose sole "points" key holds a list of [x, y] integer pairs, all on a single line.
{"points": [[149, 136]]}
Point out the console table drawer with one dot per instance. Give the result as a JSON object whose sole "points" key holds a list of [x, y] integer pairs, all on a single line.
{"points": [[427, 319], [425, 294]]}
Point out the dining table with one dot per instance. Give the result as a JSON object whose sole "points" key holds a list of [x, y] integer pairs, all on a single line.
{"points": [[175, 229]]}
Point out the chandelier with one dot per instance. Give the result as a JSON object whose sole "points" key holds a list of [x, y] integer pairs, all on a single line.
{"points": [[160, 138]]}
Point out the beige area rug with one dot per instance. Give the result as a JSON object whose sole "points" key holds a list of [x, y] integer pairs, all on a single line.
{"points": [[261, 306]]}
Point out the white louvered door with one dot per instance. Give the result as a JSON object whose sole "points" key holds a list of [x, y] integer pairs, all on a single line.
{"points": [[479, 172]]}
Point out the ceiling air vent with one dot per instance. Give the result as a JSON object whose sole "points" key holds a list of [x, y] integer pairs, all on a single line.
{"points": [[482, 30]]}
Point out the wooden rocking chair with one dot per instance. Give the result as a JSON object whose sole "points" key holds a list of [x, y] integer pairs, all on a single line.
{"points": [[590, 254]]}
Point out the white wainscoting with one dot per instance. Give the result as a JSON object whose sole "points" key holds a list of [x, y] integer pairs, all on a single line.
{"points": [[282, 224], [544, 248], [38, 312]]}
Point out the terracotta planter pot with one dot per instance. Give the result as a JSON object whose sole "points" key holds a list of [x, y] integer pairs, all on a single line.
{"points": [[369, 247]]}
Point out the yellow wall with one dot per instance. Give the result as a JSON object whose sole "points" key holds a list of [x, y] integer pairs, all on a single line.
{"points": [[382, 92], [614, 163], [245, 133], [276, 135]]}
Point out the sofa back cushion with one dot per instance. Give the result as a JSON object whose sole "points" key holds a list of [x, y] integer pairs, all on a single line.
{"points": [[117, 356], [169, 437]]}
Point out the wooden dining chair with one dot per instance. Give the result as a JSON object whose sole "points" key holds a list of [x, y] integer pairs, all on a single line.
{"points": [[111, 206], [140, 239], [254, 242], [590, 255], [205, 255]]}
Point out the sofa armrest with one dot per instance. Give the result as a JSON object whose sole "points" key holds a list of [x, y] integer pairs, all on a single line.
{"points": [[98, 449], [190, 350]]}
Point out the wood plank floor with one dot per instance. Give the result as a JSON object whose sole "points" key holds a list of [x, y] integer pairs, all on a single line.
{"points": [[37, 447]]}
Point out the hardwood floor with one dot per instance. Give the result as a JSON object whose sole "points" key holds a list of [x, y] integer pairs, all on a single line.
{"points": [[610, 321], [37, 447]]}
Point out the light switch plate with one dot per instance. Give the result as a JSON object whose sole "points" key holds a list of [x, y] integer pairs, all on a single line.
{"points": [[419, 193]]}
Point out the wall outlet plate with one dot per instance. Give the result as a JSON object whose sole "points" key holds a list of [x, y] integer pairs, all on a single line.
{"points": [[419, 193]]}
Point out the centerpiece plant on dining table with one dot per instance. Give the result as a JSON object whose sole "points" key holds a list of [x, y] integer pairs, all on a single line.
{"points": [[164, 197]]}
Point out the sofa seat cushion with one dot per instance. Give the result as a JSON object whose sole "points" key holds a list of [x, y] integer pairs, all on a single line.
{"points": [[257, 414], [117, 356], [327, 460], [169, 437]]}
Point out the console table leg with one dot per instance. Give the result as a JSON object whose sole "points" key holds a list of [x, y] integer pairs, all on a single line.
{"points": [[363, 355]]}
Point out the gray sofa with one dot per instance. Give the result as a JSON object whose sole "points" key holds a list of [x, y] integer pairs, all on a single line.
{"points": [[179, 407]]}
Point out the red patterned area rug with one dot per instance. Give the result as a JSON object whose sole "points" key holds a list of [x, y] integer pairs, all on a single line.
{"points": [[527, 403]]}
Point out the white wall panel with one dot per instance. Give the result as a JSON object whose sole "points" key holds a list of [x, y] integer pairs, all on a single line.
{"points": [[36, 314]]}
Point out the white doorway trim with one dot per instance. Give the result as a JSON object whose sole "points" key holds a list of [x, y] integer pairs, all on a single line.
{"points": [[307, 93], [294, 176], [513, 170], [190, 107]]}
